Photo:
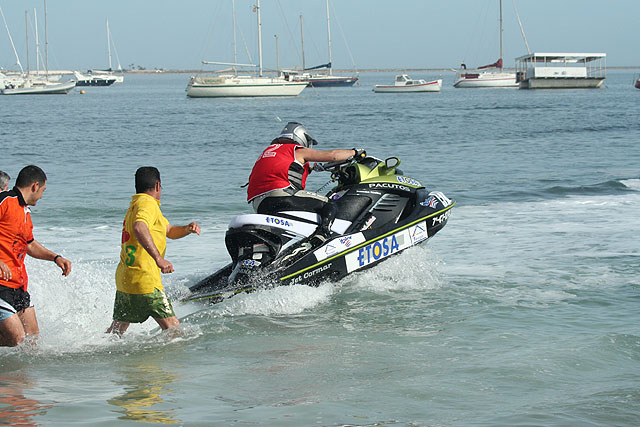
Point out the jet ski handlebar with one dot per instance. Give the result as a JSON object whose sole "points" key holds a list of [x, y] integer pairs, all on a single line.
{"points": [[360, 155]]}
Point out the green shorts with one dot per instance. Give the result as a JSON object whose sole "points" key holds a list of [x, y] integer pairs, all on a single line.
{"points": [[136, 308]]}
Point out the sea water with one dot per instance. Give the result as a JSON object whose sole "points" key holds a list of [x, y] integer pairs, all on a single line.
{"points": [[523, 310]]}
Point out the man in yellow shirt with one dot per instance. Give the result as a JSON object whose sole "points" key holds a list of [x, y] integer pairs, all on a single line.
{"points": [[140, 293]]}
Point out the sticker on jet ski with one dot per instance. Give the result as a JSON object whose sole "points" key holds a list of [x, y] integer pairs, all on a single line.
{"points": [[408, 181], [441, 197], [382, 248], [338, 245]]}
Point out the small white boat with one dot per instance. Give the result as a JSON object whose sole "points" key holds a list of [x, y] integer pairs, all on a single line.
{"points": [[38, 87], [404, 83]]}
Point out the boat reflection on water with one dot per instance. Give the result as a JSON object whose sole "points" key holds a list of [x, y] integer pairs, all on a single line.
{"points": [[144, 386], [15, 408]]}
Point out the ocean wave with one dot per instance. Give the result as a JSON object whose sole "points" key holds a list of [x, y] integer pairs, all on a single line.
{"points": [[602, 188]]}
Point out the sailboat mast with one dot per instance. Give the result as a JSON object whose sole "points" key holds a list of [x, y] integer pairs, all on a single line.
{"points": [[35, 20], [46, 42], [259, 41], [26, 27], [109, 44], [501, 35], [329, 37], [302, 39], [277, 55], [15, 52], [235, 50]]}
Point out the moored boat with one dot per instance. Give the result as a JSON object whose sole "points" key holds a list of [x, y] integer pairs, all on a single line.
{"points": [[477, 78], [561, 70], [37, 87], [93, 80], [405, 84], [242, 86]]}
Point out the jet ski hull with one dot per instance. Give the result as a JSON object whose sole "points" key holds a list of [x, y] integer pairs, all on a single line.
{"points": [[334, 260]]}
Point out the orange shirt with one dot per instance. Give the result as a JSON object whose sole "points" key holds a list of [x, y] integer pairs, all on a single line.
{"points": [[16, 232]]}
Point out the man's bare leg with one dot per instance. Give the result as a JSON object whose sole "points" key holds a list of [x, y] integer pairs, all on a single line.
{"points": [[118, 327], [11, 331], [29, 321], [167, 322]]}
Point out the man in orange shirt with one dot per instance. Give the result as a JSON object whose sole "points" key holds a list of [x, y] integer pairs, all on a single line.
{"points": [[17, 315]]}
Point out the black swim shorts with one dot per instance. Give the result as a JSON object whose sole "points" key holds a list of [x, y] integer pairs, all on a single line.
{"points": [[17, 298]]}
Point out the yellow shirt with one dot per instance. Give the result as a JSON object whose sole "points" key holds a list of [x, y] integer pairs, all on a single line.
{"points": [[137, 272]]}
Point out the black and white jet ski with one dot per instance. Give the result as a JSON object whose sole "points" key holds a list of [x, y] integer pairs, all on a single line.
{"points": [[380, 213]]}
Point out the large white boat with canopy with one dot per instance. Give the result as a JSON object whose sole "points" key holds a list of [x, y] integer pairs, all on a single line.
{"points": [[561, 70]]}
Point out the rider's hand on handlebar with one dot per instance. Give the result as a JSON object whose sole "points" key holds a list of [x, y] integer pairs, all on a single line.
{"points": [[360, 154]]}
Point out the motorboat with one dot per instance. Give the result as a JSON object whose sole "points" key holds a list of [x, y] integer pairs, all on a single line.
{"points": [[637, 83], [405, 84], [380, 213], [561, 70]]}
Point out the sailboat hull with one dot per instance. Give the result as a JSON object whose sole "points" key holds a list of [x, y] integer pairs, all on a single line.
{"points": [[485, 79], [47, 89], [332, 81], [202, 87]]}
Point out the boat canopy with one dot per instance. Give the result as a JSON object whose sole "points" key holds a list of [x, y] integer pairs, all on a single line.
{"points": [[565, 58]]}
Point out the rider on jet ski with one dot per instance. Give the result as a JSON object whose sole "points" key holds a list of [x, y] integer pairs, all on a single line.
{"points": [[278, 178]]}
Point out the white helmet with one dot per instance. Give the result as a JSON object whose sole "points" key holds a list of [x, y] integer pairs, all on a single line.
{"points": [[295, 133]]}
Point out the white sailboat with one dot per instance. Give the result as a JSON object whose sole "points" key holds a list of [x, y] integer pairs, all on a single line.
{"points": [[327, 79], [242, 86], [97, 77], [26, 83], [495, 78]]}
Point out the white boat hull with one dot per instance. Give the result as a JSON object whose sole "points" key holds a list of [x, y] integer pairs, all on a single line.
{"points": [[486, 79], [432, 86], [202, 87], [562, 83], [46, 89]]}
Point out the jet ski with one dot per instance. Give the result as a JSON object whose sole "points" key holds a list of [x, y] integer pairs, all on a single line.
{"points": [[380, 213]]}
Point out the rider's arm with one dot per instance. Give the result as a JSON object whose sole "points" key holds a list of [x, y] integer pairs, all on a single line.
{"points": [[304, 155]]}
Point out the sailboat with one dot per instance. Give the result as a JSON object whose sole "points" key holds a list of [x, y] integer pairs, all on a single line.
{"points": [[324, 79], [26, 83], [102, 77], [242, 86], [497, 78]]}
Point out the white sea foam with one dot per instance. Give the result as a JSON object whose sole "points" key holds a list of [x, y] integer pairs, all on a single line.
{"points": [[292, 299], [74, 312], [634, 184], [413, 269]]}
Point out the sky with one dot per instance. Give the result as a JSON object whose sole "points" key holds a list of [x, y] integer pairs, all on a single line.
{"points": [[366, 34]]}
